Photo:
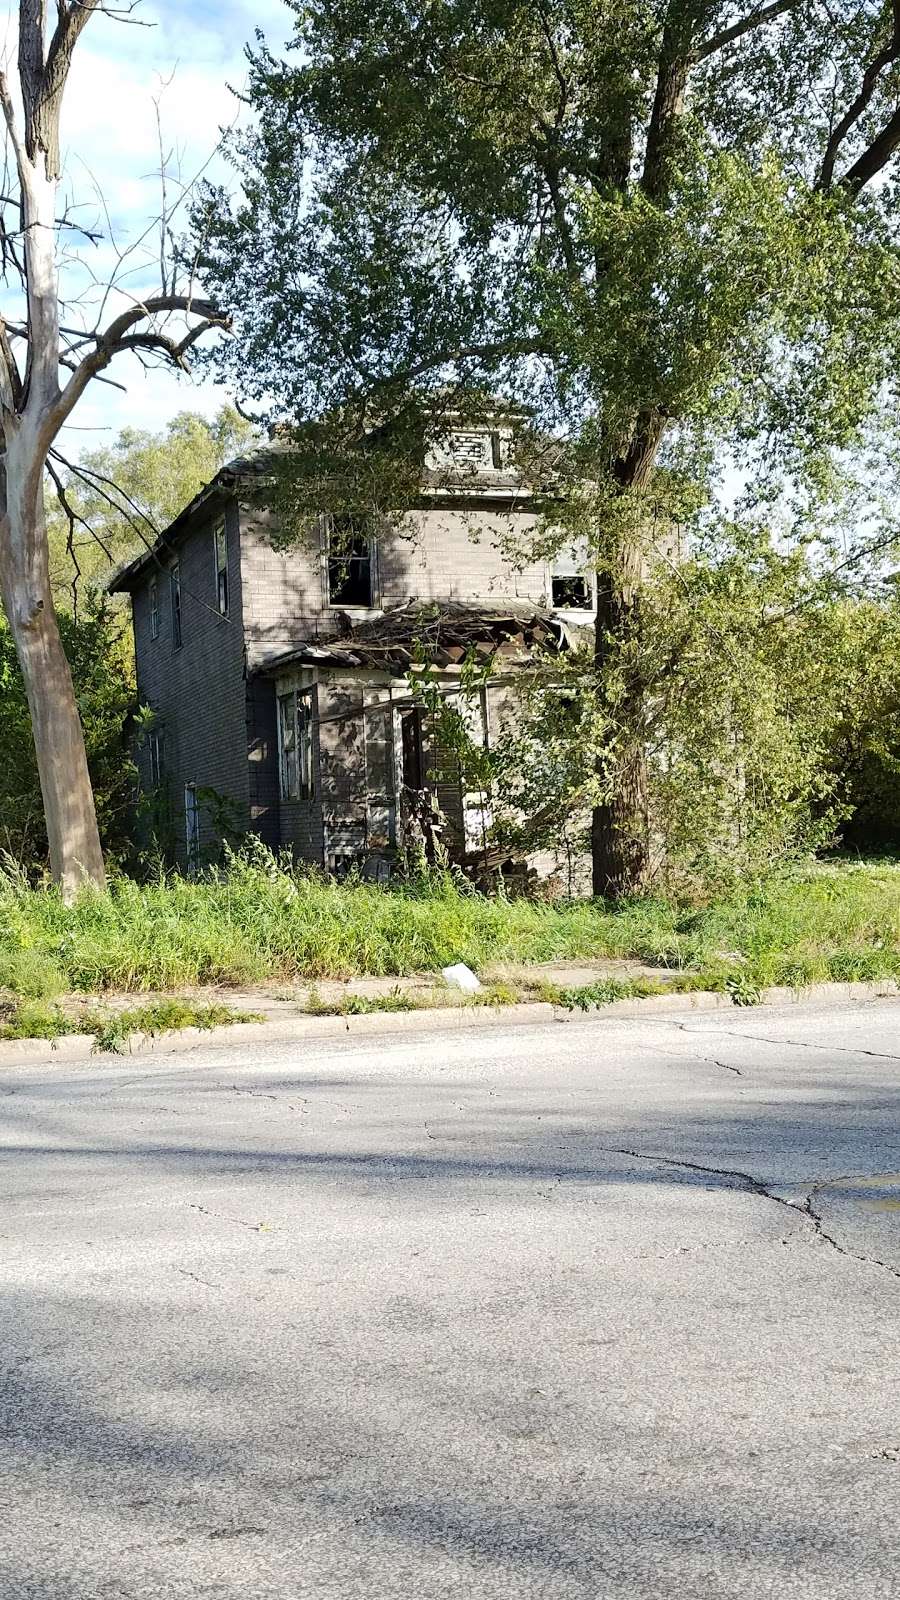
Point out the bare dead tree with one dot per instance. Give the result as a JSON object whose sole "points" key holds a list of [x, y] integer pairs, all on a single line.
{"points": [[45, 368]]}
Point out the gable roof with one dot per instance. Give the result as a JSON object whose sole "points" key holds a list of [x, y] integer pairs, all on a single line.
{"points": [[255, 464]]}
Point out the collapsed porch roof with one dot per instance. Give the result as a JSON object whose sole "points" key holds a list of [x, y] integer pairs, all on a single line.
{"points": [[441, 632]]}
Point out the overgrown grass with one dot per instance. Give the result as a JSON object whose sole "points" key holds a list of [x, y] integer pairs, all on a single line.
{"points": [[592, 996], [30, 1019], [258, 922]]}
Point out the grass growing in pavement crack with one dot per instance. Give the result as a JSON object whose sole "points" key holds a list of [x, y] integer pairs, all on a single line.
{"points": [[31, 1020], [591, 996]]}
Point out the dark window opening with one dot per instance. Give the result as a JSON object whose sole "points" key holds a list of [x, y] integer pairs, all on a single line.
{"points": [[175, 580], [572, 594], [191, 827], [413, 764], [220, 547], [157, 758], [350, 562]]}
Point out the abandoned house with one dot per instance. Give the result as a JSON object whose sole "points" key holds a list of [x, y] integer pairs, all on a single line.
{"points": [[278, 678]]}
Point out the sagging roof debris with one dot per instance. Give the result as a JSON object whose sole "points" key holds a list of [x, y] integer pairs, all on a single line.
{"points": [[441, 632]]}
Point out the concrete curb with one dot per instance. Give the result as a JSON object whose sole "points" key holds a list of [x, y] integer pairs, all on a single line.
{"points": [[80, 1047]]}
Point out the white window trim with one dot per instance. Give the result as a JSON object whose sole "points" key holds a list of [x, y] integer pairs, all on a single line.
{"points": [[153, 603], [575, 611]]}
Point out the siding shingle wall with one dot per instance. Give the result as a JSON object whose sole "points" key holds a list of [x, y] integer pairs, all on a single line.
{"points": [[198, 691]]}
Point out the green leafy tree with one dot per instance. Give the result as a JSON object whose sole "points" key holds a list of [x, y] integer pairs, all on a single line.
{"points": [[99, 658], [770, 695], [667, 229], [117, 499]]}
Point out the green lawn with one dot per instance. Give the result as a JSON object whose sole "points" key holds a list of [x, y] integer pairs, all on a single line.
{"points": [[258, 923]]}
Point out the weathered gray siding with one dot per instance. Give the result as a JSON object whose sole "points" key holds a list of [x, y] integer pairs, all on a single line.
{"points": [[218, 711], [198, 691], [448, 553], [438, 554]]}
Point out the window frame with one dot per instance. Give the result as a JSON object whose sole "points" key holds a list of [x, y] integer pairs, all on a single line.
{"points": [[175, 596], [296, 718], [156, 757], [220, 565], [573, 578], [191, 827], [366, 531], [153, 606]]}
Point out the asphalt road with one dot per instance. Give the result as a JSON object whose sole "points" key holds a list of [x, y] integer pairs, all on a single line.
{"points": [[585, 1311]]}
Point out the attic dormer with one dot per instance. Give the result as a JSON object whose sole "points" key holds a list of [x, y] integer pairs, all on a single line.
{"points": [[470, 450]]}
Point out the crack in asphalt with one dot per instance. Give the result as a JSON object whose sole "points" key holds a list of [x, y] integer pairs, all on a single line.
{"points": [[184, 1273], [259, 1094], [755, 1186], [712, 1061], [799, 1044], [222, 1216]]}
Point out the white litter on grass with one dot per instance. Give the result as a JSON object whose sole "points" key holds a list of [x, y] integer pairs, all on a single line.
{"points": [[462, 977]]}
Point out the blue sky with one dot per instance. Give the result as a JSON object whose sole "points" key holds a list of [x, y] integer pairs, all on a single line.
{"points": [[188, 58]]}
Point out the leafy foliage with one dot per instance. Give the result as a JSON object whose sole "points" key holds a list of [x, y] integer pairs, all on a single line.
{"points": [[488, 193], [770, 700], [99, 654], [665, 232], [124, 494]]}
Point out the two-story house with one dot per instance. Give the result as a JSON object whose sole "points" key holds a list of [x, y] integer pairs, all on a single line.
{"points": [[279, 677]]}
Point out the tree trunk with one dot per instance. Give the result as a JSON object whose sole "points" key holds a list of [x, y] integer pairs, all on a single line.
{"points": [[620, 825], [75, 854]]}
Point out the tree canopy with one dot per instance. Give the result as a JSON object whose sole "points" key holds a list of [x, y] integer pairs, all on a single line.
{"points": [[667, 230], [631, 216]]}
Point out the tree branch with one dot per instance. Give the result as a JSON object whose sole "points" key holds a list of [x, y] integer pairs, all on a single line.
{"points": [[853, 179], [119, 337], [874, 158], [675, 61], [755, 19], [10, 378], [43, 83]]}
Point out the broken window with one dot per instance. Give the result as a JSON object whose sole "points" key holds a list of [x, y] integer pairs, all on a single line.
{"points": [[472, 450], [350, 562], [295, 753], [571, 592]]}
